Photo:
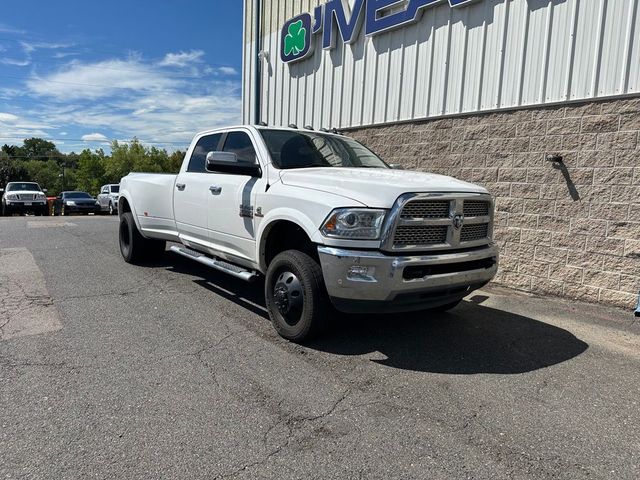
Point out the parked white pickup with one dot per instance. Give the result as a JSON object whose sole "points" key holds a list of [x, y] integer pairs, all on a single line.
{"points": [[322, 218]]}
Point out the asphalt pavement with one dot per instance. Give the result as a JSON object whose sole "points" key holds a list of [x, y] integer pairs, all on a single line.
{"points": [[171, 370]]}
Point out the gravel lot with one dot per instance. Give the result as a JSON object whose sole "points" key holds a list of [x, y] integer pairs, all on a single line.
{"points": [[173, 371]]}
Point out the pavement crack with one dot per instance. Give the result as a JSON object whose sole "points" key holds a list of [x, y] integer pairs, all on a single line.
{"points": [[289, 423]]}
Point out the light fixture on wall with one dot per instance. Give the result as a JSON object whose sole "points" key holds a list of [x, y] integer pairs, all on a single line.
{"points": [[555, 158]]}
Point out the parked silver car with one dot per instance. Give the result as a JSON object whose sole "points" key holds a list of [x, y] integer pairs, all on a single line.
{"points": [[108, 198]]}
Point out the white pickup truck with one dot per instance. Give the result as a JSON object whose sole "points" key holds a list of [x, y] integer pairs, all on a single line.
{"points": [[324, 220]]}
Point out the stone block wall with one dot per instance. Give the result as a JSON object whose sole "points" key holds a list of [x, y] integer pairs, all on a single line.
{"points": [[572, 231]]}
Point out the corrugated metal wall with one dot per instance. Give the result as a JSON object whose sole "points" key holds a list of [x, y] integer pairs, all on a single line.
{"points": [[492, 54]]}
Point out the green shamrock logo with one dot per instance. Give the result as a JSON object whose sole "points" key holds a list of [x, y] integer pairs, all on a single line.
{"points": [[296, 40]]}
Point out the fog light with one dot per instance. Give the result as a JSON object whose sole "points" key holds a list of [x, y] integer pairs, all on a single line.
{"points": [[361, 273]]}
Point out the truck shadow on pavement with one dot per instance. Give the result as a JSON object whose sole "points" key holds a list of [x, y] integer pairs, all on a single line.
{"points": [[471, 339]]}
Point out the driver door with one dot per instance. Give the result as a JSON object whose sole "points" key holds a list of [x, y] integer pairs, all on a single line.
{"points": [[232, 199], [191, 194]]}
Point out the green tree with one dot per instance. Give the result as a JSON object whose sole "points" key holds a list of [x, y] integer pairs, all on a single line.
{"points": [[39, 149], [91, 171], [11, 169], [175, 161], [47, 174]]}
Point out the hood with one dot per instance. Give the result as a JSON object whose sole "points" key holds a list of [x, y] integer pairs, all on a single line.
{"points": [[374, 187]]}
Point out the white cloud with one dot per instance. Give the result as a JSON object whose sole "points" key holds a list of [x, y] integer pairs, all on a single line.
{"points": [[29, 47], [228, 71], [4, 28], [182, 59], [126, 98], [8, 118], [65, 54], [97, 80], [94, 137], [15, 128], [15, 62]]}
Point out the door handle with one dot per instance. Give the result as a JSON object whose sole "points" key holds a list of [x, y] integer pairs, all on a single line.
{"points": [[180, 186], [216, 190]]}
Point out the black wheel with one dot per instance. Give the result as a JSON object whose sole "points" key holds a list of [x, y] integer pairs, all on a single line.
{"points": [[296, 296], [133, 246], [112, 211], [4, 210], [62, 212]]}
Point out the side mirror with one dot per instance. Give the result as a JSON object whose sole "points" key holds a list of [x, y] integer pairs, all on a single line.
{"points": [[1, 191], [228, 162], [396, 166], [44, 190]]}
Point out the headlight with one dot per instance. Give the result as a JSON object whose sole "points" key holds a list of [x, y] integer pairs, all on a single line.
{"points": [[354, 223], [71, 203], [12, 197]]}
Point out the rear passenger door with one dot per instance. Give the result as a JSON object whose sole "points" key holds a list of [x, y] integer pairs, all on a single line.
{"points": [[191, 193]]}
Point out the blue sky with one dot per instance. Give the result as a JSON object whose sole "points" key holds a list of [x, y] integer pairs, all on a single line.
{"points": [[82, 73]]}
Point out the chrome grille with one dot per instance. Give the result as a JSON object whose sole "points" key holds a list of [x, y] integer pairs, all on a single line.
{"points": [[26, 196], [471, 233], [420, 235], [439, 221], [476, 208], [426, 209]]}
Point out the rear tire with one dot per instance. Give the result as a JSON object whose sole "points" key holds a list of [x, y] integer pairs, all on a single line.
{"points": [[134, 247], [296, 296]]}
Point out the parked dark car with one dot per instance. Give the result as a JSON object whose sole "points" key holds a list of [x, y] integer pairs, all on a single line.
{"points": [[68, 203]]}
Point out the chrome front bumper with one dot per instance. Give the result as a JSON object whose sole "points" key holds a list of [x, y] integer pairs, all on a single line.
{"points": [[359, 281]]}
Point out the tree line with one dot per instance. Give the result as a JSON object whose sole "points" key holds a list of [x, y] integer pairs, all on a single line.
{"points": [[39, 160]]}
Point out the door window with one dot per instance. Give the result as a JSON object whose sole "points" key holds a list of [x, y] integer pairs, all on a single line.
{"points": [[206, 144], [240, 144]]}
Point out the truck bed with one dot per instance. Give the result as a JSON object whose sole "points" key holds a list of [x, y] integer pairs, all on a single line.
{"points": [[152, 202]]}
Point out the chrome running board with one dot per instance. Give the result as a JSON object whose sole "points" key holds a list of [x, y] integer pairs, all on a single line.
{"points": [[215, 263]]}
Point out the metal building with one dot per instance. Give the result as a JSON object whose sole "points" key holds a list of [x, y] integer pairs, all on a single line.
{"points": [[479, 56], [487, 91]]}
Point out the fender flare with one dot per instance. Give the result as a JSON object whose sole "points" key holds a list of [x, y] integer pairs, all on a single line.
{"points": [[277, 215], [125, 196]]}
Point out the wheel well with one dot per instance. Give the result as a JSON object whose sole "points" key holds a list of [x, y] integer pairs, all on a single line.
{"points": [[124, 206], [284, 235]]}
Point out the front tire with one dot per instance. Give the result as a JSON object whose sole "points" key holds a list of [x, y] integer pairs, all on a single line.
{"points": [[134, 247], [112, 211], [296, 296]]}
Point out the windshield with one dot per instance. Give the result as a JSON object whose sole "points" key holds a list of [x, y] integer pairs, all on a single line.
{"points": [[115, 188], [290, 149], [77, 195], [23, 187]]}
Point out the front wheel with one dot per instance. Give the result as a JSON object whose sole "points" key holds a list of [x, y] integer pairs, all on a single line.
{"points": [[112, 211], [295, 295], [133, 246]]}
